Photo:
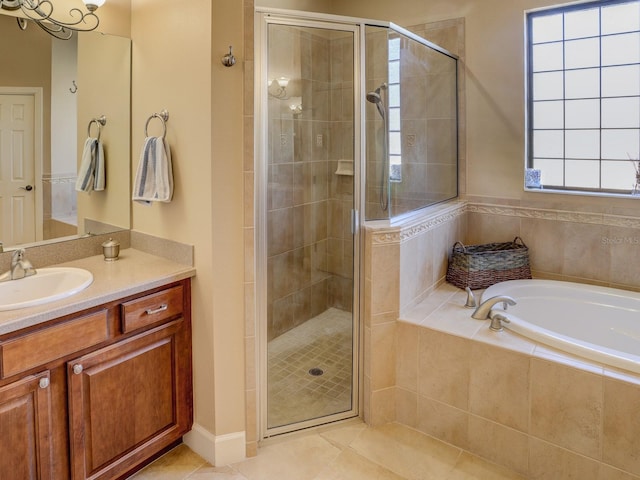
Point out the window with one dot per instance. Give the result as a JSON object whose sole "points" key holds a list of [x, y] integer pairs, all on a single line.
{"points": [[395, 135], [583, 77]]}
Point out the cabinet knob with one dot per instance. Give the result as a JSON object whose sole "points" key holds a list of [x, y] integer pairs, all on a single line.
{"points": [[77, 369], [44, 382]]}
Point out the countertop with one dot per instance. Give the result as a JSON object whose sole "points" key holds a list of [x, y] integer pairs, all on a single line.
{"points": [[134, 272]]}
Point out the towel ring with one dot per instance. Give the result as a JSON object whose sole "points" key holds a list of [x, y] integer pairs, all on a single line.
{"points": [[100, 121], [163, 116]]}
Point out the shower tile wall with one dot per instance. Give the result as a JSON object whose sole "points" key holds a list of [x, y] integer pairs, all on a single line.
{"points": [[341, 147], [428, 123], [309, 263], [428, 106], [250, 340], [450, 35], [376, 73]]}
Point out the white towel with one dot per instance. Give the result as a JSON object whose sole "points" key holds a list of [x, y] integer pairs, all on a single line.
{"points": [[91, 172], [154, 177]]}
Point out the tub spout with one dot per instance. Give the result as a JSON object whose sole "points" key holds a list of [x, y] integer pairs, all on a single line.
{"points": [[483, 311], [471, 299]]}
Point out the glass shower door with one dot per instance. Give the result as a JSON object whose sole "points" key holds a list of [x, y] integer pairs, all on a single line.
{"points": [[309, 209]]}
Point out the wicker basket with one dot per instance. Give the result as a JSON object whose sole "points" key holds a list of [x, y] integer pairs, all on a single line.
{"points": [[480, 266]]}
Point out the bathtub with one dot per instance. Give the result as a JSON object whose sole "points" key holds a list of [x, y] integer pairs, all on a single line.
{"points": [[598, 323]]}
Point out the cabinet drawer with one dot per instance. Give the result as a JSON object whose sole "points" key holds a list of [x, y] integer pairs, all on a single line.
{"points": [[152, 309], [37, 348]]}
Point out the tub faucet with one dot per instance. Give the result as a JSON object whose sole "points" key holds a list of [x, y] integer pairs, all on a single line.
{"points": [[20, 267], [497, 319], [483, 311]]}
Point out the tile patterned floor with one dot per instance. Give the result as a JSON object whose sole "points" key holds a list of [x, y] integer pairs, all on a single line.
{"points": [[323, 342], [346, 451]]}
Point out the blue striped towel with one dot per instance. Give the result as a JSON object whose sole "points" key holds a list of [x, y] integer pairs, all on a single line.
{"points": [[91, 171], [154, 177]]}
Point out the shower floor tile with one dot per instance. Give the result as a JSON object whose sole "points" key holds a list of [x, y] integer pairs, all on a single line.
{"points": [[294, 393]]}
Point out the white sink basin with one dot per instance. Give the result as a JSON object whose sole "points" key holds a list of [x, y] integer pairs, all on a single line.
{"points": [[47, 285]]}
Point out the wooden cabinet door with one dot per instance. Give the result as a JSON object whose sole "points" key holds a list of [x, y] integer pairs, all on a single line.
{"points": [[25, 423], [129, 401]]}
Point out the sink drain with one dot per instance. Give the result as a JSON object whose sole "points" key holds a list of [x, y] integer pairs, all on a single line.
{"points": [[316, 372]]}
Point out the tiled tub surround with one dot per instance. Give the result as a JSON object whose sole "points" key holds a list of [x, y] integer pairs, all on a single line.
{"points": [[580, 242], [538, 411], [402, 264]]}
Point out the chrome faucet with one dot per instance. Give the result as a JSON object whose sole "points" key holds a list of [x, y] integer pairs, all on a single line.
{"points": [[483, 311], [20, 267], [471, 299], [497, 319]]}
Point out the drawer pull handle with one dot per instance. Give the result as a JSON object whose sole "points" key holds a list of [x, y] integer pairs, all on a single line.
{"points": [[77, 369], [43, 383], [161, 308]]}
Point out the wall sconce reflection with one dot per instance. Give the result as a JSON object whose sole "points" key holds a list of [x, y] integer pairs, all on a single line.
{"points": [[278, 88], [296, 109]]}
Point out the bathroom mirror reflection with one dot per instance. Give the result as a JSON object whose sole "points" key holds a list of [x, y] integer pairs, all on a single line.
{"points": [[50, 90]]}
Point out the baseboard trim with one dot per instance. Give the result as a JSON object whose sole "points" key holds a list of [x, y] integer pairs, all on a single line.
{"points": [[218, 450]]}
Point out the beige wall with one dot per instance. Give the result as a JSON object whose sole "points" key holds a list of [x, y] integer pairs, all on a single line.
{"points": [[115, 17], [176, 65], [227, 217], [305, 5], [105, 82]]}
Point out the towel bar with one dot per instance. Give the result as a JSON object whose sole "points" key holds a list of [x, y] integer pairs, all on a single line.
{"points": [[163, 116], [100, 121]]}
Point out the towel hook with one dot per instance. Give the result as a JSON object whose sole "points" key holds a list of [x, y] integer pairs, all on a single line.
{"points": [[100, 121], [229, 60], [163, 116]]}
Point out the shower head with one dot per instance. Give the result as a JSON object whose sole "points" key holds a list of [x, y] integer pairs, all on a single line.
{"points": [[375, 98]]}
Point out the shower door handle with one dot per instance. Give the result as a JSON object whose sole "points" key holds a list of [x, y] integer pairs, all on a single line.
{"points": [[355, 221]]}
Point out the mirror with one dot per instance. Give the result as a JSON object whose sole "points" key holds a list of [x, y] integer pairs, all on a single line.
{"points": [[50, 91]]}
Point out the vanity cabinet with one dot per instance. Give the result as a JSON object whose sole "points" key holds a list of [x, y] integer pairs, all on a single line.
{"points": [[96, 395], [25, 426]]}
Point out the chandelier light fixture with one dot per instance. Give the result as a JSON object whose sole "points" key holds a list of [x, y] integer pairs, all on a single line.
{"points": [[41, 12]]}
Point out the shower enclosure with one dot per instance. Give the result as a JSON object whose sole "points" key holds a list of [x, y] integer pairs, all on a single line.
{"points": [[323, 84], [411, 123]]}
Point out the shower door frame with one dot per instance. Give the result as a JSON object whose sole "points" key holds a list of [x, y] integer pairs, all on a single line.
{"points": [[263, 18]]}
